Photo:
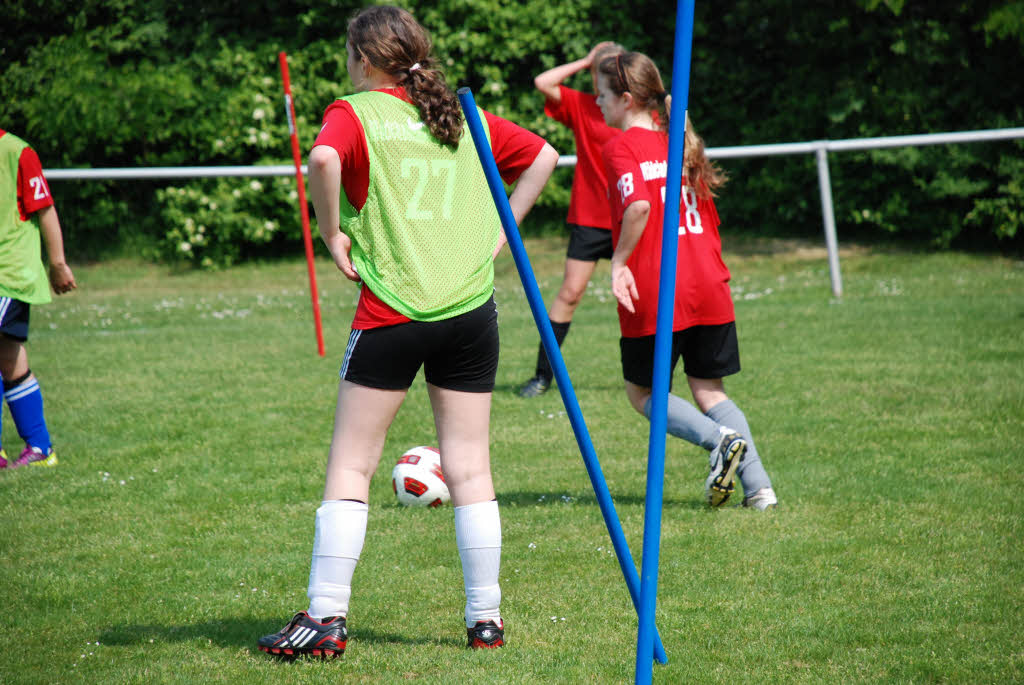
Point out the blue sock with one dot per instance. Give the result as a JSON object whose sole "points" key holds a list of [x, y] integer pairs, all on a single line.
{"points": [[26, 404], [687, 422], [751, 471]]}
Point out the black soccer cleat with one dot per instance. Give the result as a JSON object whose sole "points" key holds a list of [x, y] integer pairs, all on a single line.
{"points": [[305, 635], [486, 635], [536, 386]]}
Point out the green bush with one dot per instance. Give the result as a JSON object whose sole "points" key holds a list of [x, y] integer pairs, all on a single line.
{"points": [[127, 83]]}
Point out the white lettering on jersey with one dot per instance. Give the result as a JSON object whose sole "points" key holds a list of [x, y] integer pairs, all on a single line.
{"points": [[396, 131], [39, 189], [691, 215], [654, 170], [625, 185]]}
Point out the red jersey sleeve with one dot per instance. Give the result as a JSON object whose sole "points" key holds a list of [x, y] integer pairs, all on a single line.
{"points": [[33, 191], [343, 131], [566, 110], [514, 147], [625, 178]]}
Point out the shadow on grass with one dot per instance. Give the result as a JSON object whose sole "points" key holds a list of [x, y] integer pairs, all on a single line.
{"points": [[613, 384], [242, 632], [520, 498]]}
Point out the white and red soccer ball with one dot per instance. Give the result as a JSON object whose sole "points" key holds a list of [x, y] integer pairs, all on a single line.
{"points": [[417, 478]]}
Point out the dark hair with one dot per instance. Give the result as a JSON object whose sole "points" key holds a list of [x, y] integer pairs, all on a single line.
{"points": [[636, 74], [394, 42]]}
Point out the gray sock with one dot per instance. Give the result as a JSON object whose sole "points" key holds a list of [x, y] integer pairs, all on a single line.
{"points": [[687, 422], [751, 472]]}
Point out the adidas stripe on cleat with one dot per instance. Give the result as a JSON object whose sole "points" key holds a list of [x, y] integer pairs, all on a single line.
{"points": [[305, 635], [486, 635]]}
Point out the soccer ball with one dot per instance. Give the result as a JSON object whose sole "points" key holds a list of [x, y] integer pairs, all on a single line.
{"points": [[417, 478]]}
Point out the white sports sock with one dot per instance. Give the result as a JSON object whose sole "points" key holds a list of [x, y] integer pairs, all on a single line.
{"points": [[478, 537], [340, 532]]}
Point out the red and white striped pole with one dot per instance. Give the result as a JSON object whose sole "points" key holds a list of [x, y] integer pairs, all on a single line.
{"points": [[307, 238]]}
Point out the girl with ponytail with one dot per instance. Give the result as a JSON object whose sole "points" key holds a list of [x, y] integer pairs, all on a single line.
{"points": [[632, 97], [404, 209]]}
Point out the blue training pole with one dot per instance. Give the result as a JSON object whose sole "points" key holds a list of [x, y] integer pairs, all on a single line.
{"points": [[663, 342], [547, 336]]}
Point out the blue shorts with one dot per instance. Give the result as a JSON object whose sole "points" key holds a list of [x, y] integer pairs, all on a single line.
{"points": [[14, 318], [707, 352], [460, 353]]}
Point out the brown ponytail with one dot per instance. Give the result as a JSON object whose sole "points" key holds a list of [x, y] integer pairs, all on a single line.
{"points": [[394, 42], [702, 174]]}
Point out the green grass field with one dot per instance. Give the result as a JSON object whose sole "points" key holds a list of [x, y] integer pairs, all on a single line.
{"points": [[192, 417]]}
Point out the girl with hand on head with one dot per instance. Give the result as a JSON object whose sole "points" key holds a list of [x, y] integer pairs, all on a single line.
{"points": [[590, 238], [632, 98]]}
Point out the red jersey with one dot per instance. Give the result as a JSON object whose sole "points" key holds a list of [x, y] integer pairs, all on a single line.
{"points": [[514, 149], [588, 203], [636, 164], [33, 192]]}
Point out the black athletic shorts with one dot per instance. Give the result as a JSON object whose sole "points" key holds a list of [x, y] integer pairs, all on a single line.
{"points": [[589, 244], [14, 318], [460, 353], [707, 352]]}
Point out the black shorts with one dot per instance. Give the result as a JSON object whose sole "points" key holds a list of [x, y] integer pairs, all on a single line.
{"points": [[589, 244], [707, 352], [460, 353], [14, 318]]}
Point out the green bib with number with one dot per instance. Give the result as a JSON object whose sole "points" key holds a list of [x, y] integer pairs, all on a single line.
{"points": [[423, 242], [22, 273]]}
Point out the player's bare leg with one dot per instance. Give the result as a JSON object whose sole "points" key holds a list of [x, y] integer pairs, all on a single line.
{"points": [[463, 433], [463, 420], [361, 421], [13, 358], [574, 286]]}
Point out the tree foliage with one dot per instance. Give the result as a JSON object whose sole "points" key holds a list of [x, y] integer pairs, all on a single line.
{"points": [[112, 83]]}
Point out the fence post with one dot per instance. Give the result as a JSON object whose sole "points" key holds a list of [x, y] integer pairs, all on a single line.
{"points": [[829, 217]]}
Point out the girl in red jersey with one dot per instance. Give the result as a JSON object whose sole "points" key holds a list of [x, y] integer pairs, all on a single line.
{"points": [[404, 208], [590, 238], [632, 98]]}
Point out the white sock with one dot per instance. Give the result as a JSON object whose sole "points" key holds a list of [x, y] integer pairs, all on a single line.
{"points": [[340, 531], [478, 536]]}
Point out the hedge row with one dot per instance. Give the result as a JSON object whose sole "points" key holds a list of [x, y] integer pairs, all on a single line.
{"points": [[112, 83]]}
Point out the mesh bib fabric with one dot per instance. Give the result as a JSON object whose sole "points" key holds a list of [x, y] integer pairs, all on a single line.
{"points": [[423, 240], [22, 274]]}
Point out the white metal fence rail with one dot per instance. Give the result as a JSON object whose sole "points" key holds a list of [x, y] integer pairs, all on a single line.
{"points": [[819, 148]]}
